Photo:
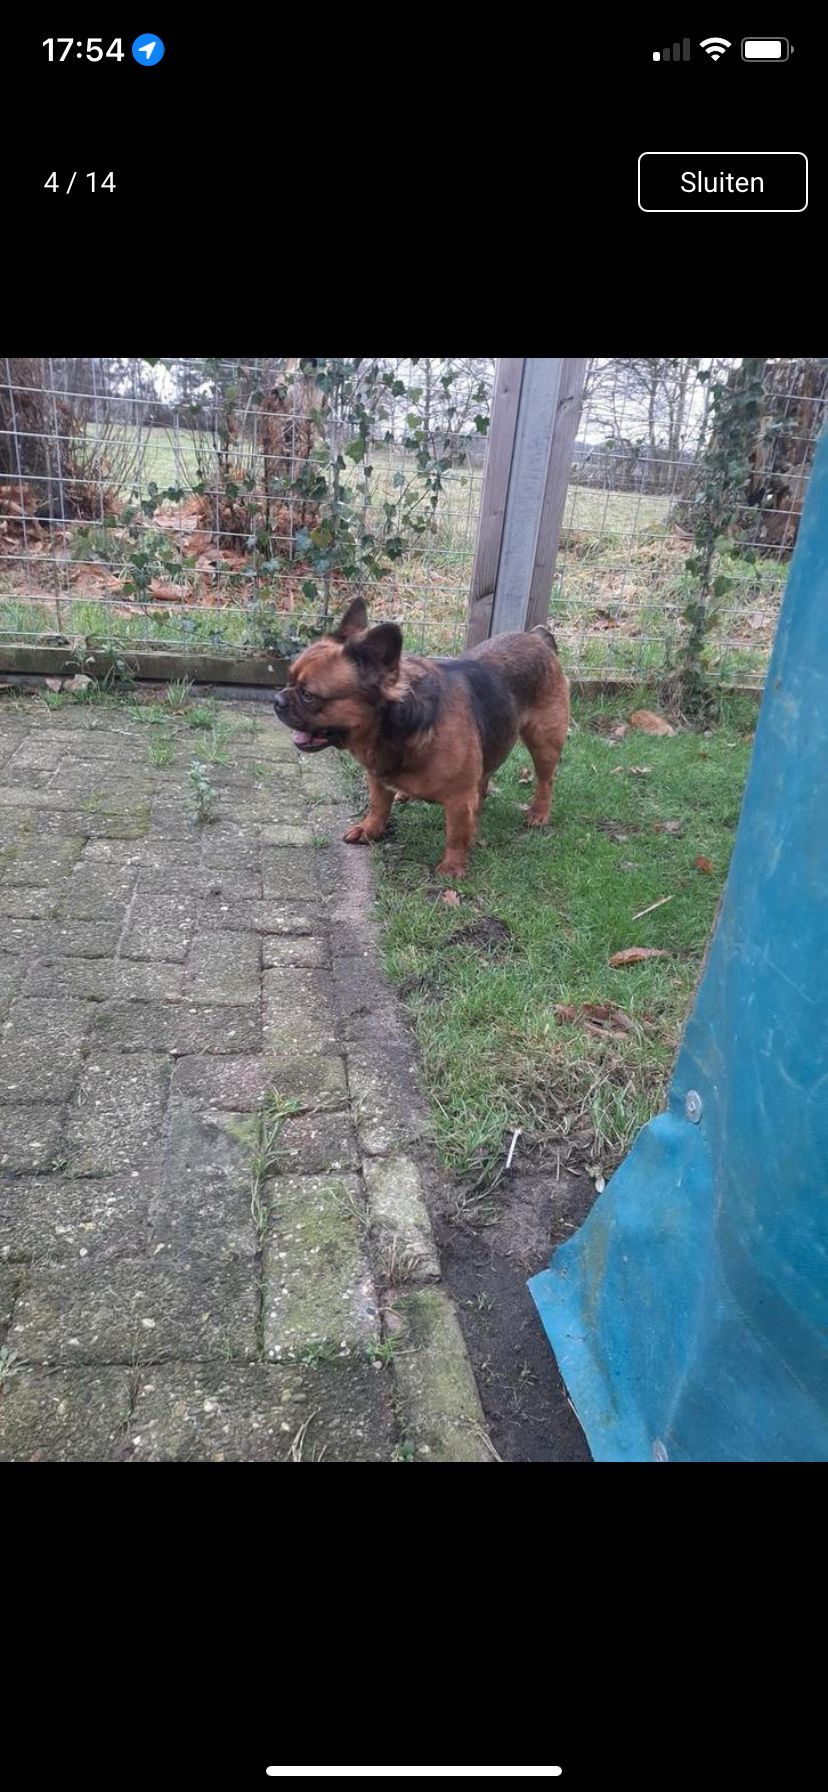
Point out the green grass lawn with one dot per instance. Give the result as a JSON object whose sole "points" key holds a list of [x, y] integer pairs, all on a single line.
{"points": [[545, 912]]}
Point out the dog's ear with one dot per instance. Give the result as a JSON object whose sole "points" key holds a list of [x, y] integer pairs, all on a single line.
{"points": [[378, 651], [353, 622]]}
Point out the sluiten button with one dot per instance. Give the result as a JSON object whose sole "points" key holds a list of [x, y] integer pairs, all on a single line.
{"points": [[689, 180]]}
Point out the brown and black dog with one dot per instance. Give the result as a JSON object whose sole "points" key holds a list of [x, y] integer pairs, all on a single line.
{"points": [[431, 729]]}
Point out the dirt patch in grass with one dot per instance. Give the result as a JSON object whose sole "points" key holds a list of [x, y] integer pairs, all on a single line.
{"points": [[528, 1414], [485, 934]]}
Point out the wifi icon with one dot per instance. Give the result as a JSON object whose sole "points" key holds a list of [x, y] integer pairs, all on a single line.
{"points": [[715, 46]]}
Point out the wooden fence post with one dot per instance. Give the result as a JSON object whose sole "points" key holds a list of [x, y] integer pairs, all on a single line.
{"points": [[534, 420]]}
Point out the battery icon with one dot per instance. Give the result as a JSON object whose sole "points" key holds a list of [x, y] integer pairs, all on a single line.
{"points": [[766, 49]]}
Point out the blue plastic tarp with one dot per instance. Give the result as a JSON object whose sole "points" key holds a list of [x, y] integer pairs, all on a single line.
{"points": [[689, 1314]]}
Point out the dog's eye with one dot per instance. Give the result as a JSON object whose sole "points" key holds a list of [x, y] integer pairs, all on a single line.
{"points": [[311, 698]]}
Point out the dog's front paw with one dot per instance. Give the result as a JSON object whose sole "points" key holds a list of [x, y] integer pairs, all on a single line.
{"points": [[361, 834], [537, 818], [451, 868]]}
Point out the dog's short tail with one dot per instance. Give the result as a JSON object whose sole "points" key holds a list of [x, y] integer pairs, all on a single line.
{"points": [[541, 629]]}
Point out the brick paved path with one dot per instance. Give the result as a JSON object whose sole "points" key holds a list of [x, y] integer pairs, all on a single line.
{"points": [[213, 1241]]}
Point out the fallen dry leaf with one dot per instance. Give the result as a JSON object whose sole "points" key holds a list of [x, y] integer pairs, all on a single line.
{"points": [[667, 827], [649, 722], [53, 684], [604, 1017], [525, 777], [598, 1017], [635, 771], [703, 864], [634, 955], [451, 897], [80, 682]]}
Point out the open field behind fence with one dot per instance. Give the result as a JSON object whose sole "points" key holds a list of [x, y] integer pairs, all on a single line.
{"points": [[621, 581]]}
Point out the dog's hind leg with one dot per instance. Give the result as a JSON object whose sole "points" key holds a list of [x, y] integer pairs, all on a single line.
{"points": [[545, 743]]}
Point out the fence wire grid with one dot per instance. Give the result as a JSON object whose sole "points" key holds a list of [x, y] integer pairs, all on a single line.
{"points": [[91, 552]]}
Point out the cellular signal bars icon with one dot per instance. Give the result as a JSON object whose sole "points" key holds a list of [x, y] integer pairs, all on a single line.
{"points": [[680, 52]]}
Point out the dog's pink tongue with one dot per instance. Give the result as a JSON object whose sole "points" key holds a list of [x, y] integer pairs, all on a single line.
{"points": [[302, 740]]}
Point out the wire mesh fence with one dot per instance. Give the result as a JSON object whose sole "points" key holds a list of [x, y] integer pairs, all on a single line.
{"points": [[622, 582], [177, 503]]}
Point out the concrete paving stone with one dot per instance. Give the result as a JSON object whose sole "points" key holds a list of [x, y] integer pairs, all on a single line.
{"points": [[11, 977], [33, 778], [331, 1412], [297, 1011], [317, 1285], [115, 1120], [36, 752], [315, 1081], [289, 874], [101, 979], [127, 824], [203, 880], [201, 1141], [223, 966], [315, 1141], [287, 834], [243, 805], [202, 1215], [99, 786], [177, 1027], [439, 1406], [274, 742], [250, 770], [41, 863], [64, 1415], [136, 1309], [403, 1239], [28, 905], [15, 832], [58, 1218], [259, 917], [322, 777], [129, 854], [236, 849], [238, 1083], [383, 1082], [171, 821], [308, 953], [41, 1050], [26, 796], [360, 989], [67, 939], [161, 926], [271, 807], [31, 1136], [96, 893]]}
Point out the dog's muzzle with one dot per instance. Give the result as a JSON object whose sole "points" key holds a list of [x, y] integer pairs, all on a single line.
{"points": [[307, 740]]}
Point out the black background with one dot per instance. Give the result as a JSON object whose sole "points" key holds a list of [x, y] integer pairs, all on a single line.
{"points": [[321, 124]]}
